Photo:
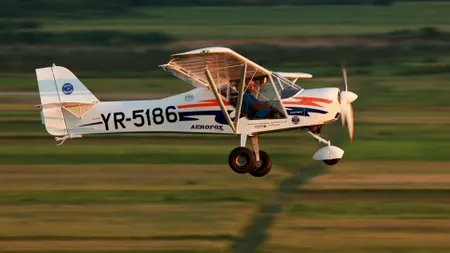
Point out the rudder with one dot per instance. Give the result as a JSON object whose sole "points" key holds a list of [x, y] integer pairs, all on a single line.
{"points": [[59, 90]]}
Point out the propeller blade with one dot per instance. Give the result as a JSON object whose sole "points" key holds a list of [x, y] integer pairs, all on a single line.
{"points": [[344, 75], [350, 121], [346, 100], [343, 110]]}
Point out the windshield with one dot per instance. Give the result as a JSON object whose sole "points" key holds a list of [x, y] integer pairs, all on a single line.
{"points": [[285, 87]]}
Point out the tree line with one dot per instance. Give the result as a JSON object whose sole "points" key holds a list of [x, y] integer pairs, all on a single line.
{"points": [[82, 8], [78, 8], [130, 62]]}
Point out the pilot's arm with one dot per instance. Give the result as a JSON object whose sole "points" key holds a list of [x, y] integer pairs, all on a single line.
{"points": [[258, 106], [253, 102]]}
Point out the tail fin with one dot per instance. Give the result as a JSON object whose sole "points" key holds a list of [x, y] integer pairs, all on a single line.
{"points": [[60, 89]]}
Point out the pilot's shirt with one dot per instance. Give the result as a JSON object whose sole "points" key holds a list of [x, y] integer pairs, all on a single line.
{"points": [[248, 101]]}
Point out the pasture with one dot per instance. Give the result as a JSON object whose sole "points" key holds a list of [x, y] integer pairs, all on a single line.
{"points": [[175, 193], [164, 193]]}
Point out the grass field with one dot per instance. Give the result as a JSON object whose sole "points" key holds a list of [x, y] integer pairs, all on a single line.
{"points": [[164, 193], [391, 193], [155, 193]]}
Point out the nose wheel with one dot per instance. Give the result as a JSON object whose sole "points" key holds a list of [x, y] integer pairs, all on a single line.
{"points": [[256, 162]]}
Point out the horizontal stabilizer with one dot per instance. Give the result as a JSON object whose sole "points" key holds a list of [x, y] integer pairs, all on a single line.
{"points": [[78, 109]]}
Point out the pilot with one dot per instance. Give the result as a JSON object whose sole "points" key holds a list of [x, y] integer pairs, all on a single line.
{"points": [[253, 106]]}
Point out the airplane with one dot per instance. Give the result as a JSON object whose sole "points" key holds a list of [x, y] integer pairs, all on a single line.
{"points": [[231, 95]]}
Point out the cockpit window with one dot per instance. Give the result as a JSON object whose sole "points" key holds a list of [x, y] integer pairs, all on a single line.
{"points": [[285, 87]]}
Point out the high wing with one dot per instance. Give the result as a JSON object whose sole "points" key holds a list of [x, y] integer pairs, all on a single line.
{"points": [[294, 76], [223, 63], [227, 73]]}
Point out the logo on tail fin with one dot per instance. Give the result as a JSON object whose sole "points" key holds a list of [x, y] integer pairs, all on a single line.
{"points": [[67, 88]]}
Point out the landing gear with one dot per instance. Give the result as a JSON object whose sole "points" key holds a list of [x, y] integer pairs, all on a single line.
{"points": [[243, 160], [331, 161], [329, 154], [262, 167]]}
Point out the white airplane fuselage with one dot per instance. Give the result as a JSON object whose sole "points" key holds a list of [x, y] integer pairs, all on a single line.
{"points": [[197, 111]]}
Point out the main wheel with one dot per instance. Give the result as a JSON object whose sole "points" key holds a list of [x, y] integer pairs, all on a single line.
{"points": [[241, 160], [264, 165], [331, 161]]}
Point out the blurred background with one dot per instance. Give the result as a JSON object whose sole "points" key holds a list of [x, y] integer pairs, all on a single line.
{"points": [[162, 193]]}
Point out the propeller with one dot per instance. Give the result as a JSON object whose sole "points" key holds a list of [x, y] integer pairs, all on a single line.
{"points": [[346, 99]]}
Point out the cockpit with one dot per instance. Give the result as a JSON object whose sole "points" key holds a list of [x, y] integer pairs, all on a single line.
{"points": [[262, 95], [258, 96], [285, 87]]}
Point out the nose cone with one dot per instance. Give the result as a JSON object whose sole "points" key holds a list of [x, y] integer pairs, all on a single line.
{"points": [[348, 96]]}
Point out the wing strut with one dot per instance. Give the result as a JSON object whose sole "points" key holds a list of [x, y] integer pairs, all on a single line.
{"points": [[241, 95], [219, 99]]}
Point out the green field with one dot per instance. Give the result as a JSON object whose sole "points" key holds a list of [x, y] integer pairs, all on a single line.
{"points": [[402, 39], [164, 193], [175, 193]]}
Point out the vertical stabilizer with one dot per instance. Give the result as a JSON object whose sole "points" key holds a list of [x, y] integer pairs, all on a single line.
{"points": [[60, 90], [70, 88]]}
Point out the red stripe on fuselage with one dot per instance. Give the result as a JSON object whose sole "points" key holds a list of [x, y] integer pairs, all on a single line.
{"points": [[203, 103], [312, 101]]}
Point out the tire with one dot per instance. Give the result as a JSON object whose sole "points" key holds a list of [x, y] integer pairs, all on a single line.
{"points": [[331, 161], [264, 167], [241, 160]]}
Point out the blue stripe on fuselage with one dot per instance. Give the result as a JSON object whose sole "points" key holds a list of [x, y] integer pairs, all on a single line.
{"points": [[220, 118], [91, 124], [302, 111], [190, 116]]}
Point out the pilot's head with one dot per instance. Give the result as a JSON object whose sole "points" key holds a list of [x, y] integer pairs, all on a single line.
{"points": [[251, 86]]}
